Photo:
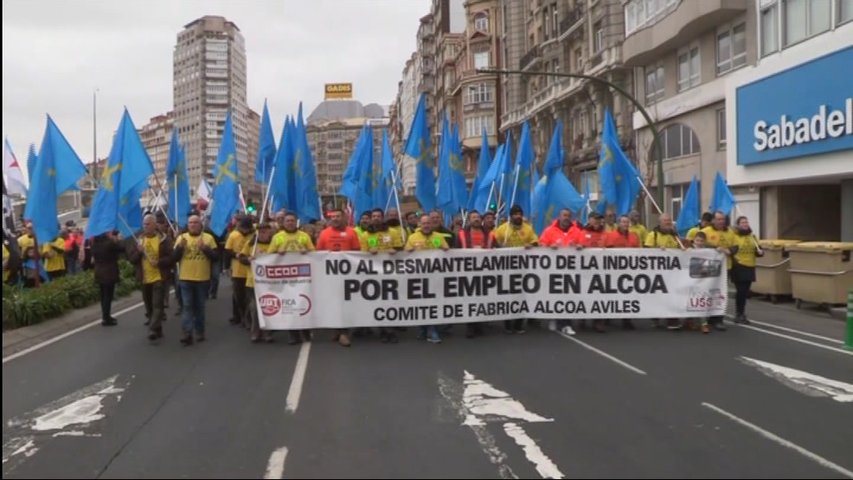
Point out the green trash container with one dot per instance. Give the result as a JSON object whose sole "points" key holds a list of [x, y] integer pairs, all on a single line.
{"points": [[771, 271], [821, 272]]}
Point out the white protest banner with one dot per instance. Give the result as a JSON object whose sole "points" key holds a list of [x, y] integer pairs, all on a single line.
{"points": [[340, 290]]}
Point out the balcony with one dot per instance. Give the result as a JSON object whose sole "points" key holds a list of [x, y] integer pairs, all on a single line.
{"points": [[674, 24], [530, 58], [572, 22]]}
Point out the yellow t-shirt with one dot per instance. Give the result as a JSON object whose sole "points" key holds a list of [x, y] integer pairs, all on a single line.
{"points": [[247, 251], [234, 244], [746, 249], [661, 240], [5, 256], [716, 238], [384, 241], [151, 249], [54, 260], [508, 236], [194, 264], [25, 242], [639, 230], [419, 241], [611, 228], [691, 234], [291, 242]]}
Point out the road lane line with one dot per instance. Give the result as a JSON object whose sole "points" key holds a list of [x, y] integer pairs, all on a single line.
{"points": [[804, 382], [603, 354], [792, 330], [534, 454], [781, 441], [275, 465], [298, 380], [807, 342], [66, 334]]}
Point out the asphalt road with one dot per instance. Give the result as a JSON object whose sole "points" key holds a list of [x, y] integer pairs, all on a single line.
{"points": [[678, 405]]}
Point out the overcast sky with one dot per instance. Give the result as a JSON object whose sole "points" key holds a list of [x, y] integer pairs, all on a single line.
{"points": [[55, 53]]}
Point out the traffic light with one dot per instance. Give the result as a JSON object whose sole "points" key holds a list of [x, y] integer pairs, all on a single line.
{"points": [[493, 207], [250, 207]]}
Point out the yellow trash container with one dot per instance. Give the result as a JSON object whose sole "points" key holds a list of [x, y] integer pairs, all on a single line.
{"points": [[821, 272], [771, 271]]}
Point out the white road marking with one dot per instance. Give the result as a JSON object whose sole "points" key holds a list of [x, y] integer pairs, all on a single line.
{"points": [[452, 391], [781, 441], [486, 404], [792, 330], [66, 334], [805, 382], [298, 380], [78, 410], [603, 354], [544, 465], [275, 465], [807, 342]]}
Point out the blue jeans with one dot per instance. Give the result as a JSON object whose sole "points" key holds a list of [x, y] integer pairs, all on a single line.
{"points": [[215, 271], [194, 296], [429, 331]]}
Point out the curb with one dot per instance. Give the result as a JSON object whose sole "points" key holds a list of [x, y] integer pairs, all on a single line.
{"points": [[22, 338]]}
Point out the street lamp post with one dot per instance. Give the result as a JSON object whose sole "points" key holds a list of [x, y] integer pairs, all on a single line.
{"points": [[651, 123]]}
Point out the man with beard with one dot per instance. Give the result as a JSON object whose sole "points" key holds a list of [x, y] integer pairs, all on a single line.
{"points": [[591, 236], [291, 239], [474, 235], [426, 239], [637, 227], [380, 238], [437, 219], [489, 221], [247, 255], [560, 234], [392, 219], [339, 237], [664, 236], [411, 222], [515, 233], [622, 237]]}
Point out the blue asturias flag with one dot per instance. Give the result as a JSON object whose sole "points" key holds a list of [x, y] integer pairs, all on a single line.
{"points": [[419, 147], [383, 169], [689, 214], [486, 192], [620, 181], [584, 213], [283, 185], [452, 194], [179, 186], [556, 154], [483, 165], [499, 170], [554, 191], [522, 188], [57, 169], [305, 175], [722, 199], [266, 148], [116, 203], [226, 180], [363, 200], [349, 182]]}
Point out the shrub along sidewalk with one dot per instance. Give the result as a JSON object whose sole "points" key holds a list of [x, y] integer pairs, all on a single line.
{"points": [[29, 306]]}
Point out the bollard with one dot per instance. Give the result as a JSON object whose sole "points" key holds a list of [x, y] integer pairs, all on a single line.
{"points": [[849, 341]]}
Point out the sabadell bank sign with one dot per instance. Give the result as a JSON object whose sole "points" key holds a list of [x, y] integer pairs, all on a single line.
{"points": [[802, 111]]}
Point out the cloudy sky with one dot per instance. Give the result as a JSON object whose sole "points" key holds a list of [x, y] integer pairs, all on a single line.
{"points": [[56, 53]]}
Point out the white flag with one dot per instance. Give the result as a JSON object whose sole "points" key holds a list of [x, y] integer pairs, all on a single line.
{"points": [[203, 194], [12, 173]]}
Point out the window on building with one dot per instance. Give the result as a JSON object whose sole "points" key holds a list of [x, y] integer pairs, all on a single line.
{"points": [[676, 198], [546, 20], [481, 60], [555, 19], [769, 28], [688, 68], [578, 60], [731, 48], [721, 129], [654, 84], [478, 94], [845, 11], [679, 140], [474, 126], [804, 18], [598, 38], [481, 22]]}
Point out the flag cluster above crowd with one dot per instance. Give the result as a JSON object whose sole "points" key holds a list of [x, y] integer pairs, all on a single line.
{"points": [[369, 182]]}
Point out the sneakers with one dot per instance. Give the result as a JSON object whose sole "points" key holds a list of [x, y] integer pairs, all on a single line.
{"points": [[741, 318], [110, 322], [705, 328], [568, 330], [720, 327], [343, 340], [673, 324], [187, 339], [520, 331]]}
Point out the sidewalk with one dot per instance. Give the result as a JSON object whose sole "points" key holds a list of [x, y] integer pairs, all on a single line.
{"points": [[25, 337]]}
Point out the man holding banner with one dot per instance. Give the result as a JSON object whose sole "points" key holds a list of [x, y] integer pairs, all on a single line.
{"points": [[291, 239], [427, 239], [338, 237]]}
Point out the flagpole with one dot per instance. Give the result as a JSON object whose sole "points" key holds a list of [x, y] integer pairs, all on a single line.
{"points": [[177, 217], [657, 207], [488, 199], [264, 208], [397, 198]]}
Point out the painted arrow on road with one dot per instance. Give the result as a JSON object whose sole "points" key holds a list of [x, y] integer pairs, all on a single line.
{"points": [[486, 404], [805, 382]]}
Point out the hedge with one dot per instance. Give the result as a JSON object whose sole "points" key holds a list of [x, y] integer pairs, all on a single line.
{"points": [[28, 306]]}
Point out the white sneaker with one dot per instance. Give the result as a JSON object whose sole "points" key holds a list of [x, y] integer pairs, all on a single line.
{"points": [[568, 330]]}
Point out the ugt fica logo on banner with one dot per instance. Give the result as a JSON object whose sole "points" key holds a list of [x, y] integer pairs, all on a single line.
{"points": [[272, 305]]}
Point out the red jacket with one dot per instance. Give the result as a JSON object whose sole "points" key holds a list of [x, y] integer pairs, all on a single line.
{"points": [[335, 240], [588, 237], [618, 239], [554, 235], [471, 238]]}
